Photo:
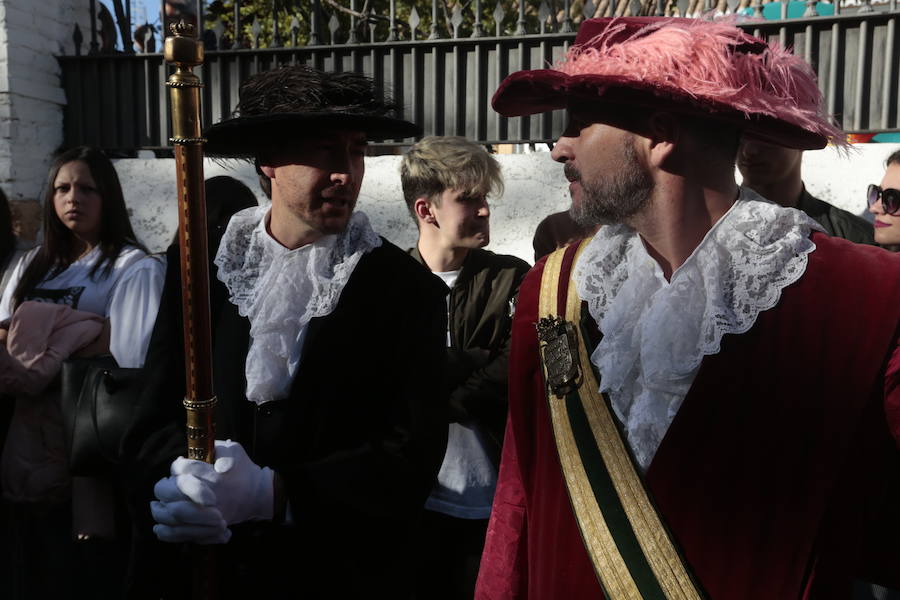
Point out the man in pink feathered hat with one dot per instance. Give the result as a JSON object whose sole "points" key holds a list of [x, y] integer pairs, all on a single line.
{"points": [[704, 396]]}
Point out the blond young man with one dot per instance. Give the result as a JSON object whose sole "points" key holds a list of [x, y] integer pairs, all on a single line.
{"points": [[446, 184]]}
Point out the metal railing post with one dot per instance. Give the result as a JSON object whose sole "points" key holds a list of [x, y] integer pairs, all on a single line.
{"points": [[94, 47], [276, 30], [236, 42]]}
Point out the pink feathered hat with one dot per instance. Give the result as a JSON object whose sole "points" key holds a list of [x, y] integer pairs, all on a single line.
{"points": [[691, 66]]}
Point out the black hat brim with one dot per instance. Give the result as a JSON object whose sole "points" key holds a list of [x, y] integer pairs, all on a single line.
{"points": [[245, 137]]}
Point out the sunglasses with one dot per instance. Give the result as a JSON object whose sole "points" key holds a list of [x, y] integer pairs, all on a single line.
{"points": [[890, 198]]}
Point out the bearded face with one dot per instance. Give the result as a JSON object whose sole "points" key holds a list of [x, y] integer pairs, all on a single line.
{"points": [[618, 190]]}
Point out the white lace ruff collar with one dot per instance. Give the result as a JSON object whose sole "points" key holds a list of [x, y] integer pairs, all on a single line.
{"points": [[656, 333], [281, 290]]}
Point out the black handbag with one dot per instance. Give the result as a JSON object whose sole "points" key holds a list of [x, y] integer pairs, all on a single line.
{"points": [[98, 403]]}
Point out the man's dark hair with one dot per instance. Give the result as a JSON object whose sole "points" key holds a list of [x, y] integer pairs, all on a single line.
{"points": [[265, 184], [720, 140], [59, 249]]}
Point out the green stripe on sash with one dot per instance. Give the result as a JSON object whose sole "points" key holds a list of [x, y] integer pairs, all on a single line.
{"points": [[608, 499]]}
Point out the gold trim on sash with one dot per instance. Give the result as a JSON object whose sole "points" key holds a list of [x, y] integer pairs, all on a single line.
{"points": [[653, 538], [608, 562]]}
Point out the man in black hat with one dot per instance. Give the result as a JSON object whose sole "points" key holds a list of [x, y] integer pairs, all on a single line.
{"points": [[328, 362]]}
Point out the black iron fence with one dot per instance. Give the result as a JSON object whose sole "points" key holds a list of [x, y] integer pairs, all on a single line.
{"points": [[445, 73]]}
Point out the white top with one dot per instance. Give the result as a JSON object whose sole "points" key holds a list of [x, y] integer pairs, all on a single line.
{"points": [[467, 479], [133, 309], [656, 332], [281, 290], [449, 278], [129, 296]]}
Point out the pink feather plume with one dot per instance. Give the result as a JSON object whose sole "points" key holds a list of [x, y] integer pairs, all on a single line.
{"points": [[698, 57]]}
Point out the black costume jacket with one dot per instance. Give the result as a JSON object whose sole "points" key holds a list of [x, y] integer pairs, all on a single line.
{"points": [[358, 443]]}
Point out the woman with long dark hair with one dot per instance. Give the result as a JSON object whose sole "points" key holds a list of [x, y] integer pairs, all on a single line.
{"points": [[88, 248], [90, 261]]}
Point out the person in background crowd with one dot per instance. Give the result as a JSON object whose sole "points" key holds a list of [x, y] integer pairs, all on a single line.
{"points": [[328, 359], [715, 410], [774, 172], [555, 231], [90, 263], [884, 203], [12, 248], [9, 257], [225, 196], [446, 183]]}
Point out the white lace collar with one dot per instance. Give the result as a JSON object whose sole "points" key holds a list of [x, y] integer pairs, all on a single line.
{"points": [[281, 290], [656, 333]]}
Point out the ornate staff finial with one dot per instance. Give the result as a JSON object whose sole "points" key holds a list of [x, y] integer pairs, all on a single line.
{"points": [[182, 28]]}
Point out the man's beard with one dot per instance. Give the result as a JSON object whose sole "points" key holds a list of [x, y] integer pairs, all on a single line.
{"points": [[616, 197]]}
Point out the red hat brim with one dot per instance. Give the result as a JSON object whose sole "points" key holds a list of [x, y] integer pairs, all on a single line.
{"points": [[542, 90]]}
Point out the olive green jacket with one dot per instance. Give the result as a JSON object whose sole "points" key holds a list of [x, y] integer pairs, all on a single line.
{"points": [[836, 221], [480, 308]]}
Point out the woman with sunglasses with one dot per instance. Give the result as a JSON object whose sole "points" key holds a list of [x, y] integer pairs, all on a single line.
{"points": [[884, 203]]}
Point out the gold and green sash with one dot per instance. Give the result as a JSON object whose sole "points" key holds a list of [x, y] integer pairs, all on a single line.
{"points": [[633, 552]]}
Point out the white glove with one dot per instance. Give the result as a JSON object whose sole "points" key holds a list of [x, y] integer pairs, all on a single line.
{"points": [[199, 500], [181, 520]]}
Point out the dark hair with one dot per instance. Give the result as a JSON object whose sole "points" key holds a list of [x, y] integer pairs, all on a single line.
{"points": [[225, 196], [7, 237], [893, 159], [58, 249], [265, 184]]}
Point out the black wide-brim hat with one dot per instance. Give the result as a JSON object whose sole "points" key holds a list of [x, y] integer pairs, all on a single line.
{"points": [[298, 102], [245, 137], [694, 67]]}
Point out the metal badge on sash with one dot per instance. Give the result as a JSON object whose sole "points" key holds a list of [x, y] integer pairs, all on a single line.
{"points": [[559, 346]]}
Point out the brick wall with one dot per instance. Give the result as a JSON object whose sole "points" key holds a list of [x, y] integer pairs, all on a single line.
{"points": [[32, 34]]}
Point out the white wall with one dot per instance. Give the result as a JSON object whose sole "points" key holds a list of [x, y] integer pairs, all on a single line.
{"points": [[32, 34], [535, 188]]}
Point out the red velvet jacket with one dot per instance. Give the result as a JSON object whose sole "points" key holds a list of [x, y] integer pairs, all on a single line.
{"points": [[776, 474]]}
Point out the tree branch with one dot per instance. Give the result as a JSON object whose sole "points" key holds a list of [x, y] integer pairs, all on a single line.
{"points": [[347, 10]]}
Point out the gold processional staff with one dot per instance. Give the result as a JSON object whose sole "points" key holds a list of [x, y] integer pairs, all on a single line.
{"points": [[185, 52]]}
